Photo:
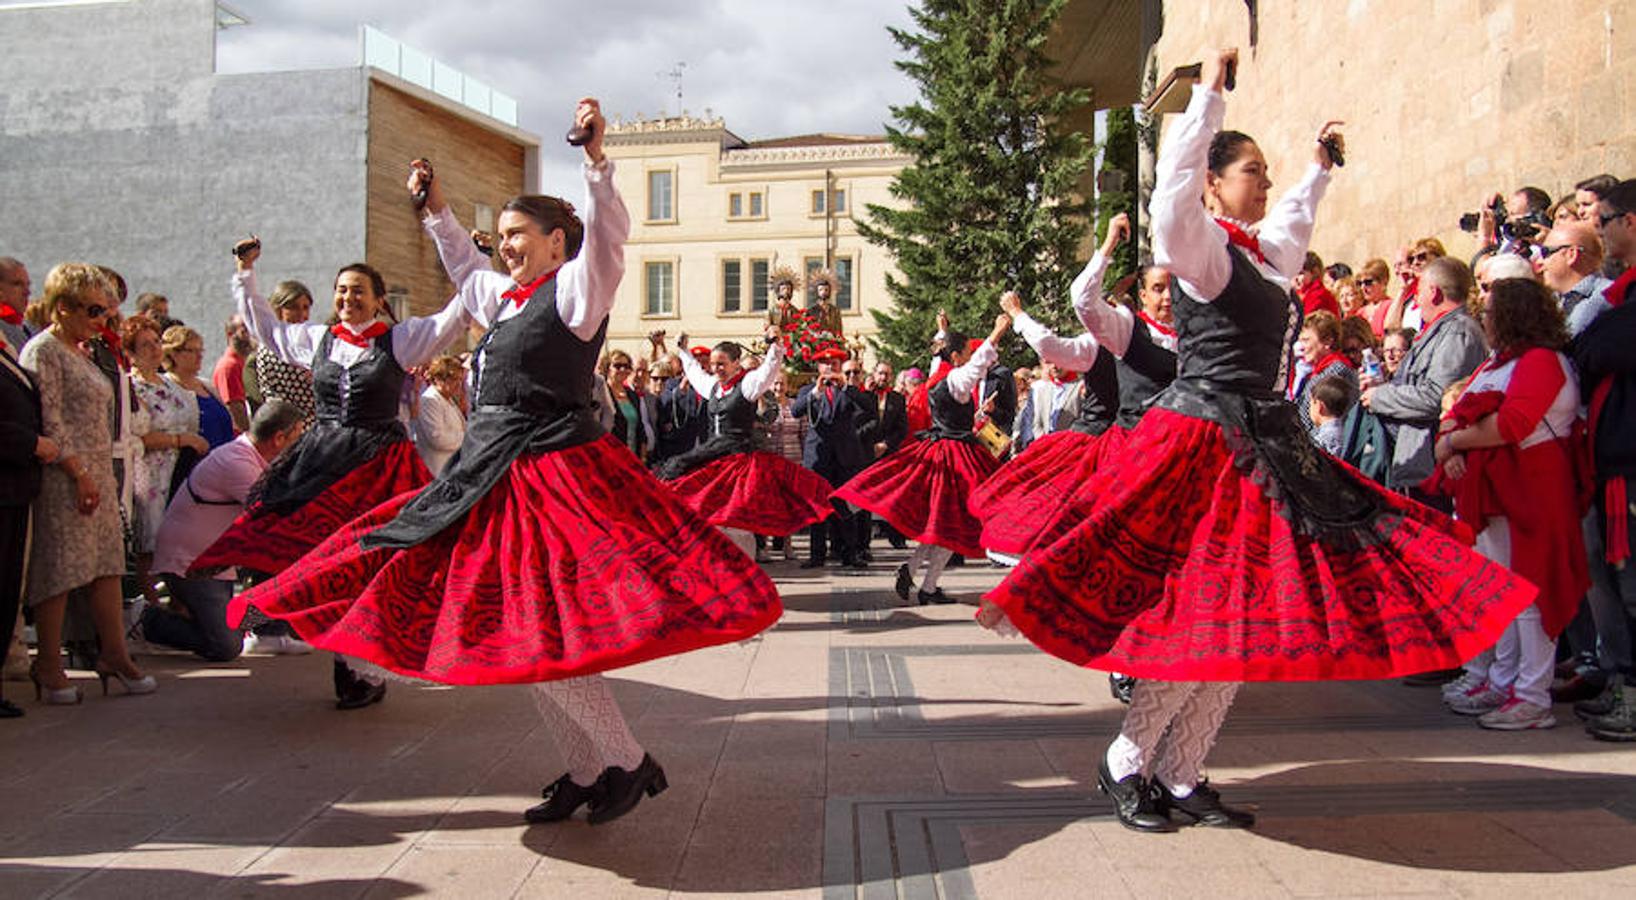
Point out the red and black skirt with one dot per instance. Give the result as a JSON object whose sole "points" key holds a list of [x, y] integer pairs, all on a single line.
{"points": [[575, 561], [266, 540], [1198, 556], [757, 491], [1020, 500], [923, 489]]}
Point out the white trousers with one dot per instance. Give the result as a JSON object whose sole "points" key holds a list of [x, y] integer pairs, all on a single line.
{"points": [[1169, 730], [1523, 660], [588, 727]]}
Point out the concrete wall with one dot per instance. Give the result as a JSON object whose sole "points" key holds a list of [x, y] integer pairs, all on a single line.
{"points": [[1447, 101], [154, 165]]}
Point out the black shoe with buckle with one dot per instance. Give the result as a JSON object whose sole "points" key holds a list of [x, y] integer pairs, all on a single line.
{"points": [[619, 790], [936, 596], [360, 694], [1133, 801], [1204, 807], [562, 798]]}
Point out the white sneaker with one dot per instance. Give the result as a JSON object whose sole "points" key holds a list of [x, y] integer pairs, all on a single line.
{"points": [[1518, 715], [1460, 685], [275, 644], [1480, 699]]}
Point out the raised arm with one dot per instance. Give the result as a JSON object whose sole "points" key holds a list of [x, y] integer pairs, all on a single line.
{"points": [[697, 378], [1075, 354], [1287, 229], [416, 341], [965, 378], [587, 283], [758, 380], [1186, 240], [294, 344]]}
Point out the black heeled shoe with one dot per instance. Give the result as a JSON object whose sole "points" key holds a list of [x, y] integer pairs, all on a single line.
{"points": [[936, 596], [1121, 687], [1204, 807], [562, 798], [621, 789], [1133, 801]]}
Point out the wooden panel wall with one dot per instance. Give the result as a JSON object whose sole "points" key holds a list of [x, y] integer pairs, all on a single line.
{"points": [[474, 165]]}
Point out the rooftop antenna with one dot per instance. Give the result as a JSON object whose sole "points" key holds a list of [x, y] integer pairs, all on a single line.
{"points": [[675, 75]]}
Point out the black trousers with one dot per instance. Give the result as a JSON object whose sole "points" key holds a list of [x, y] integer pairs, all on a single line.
{"points": [[13, 542], [835, 536]]}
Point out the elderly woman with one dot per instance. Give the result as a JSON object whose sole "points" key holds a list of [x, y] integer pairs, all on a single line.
{"points": [[173, 426], [1504, 452], [184, 355], [275, 378], [440, 424], [1319, 346], [77, 535], [1404, 312], [1372, 280]]}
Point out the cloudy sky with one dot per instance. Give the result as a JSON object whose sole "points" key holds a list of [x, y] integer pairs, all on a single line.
{"points": [[768, 67]]}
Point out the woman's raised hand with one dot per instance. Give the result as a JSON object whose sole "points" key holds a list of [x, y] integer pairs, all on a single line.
{"points": [[1217, 66], [1330, 132], [1011, 302], [1118, 233], [246, 252]]}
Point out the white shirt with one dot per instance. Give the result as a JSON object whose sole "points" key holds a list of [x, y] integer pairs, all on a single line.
{"points": [[1110, 323], [754, 383], [1188, 241], [1075, 354], [222, 479], [438, 430], [965, 379], [586, 284], [415, 341]]}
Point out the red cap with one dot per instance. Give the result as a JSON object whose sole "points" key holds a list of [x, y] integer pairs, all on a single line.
{"points": [[700, 351], [972, 345], [831, 354]]}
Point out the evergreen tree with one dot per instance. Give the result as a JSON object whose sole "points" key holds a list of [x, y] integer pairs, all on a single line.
{"points": [[990, 199], [1118, 166]]}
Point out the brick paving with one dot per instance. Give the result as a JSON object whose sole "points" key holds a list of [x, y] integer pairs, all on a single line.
{"points": [[857, 750]]}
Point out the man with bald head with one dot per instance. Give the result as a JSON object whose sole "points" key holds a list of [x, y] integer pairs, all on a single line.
{"points": [[14, 290], [1571, 264]]}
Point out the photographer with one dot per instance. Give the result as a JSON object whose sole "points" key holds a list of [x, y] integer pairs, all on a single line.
{"points": [[1513, 224]]}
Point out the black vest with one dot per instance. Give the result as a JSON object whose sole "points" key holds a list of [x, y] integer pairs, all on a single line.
{"points": [[374, 385], [1098, 396], [1240, 340], [952, 418], [1146, 369], [731, 415]]}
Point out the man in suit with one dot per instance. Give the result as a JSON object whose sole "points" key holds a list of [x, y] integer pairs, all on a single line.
{"points": [[23, 450], [832, 448], [1056, 400], [882, 435]]}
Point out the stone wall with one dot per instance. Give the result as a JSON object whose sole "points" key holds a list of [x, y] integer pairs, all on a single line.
{"points": [[1446, 102]]}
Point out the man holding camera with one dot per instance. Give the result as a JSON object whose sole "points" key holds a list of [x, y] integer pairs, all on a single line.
{"points": [[1514, 224], [838, 415]]}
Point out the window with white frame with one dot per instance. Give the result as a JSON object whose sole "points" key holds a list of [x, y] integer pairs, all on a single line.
{"points": [[659, 287], [661, 195], [741, 294], [732, 285]]}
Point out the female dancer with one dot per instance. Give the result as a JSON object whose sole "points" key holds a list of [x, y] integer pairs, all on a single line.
{"points": [[359, 454], [1223, 545], [924, 488], [1027, 492], [544, 552], [734, 486]]}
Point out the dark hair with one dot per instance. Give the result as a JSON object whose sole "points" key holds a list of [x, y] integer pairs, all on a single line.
{"points": [[732, 349], [1313, 263], [952, 341], [1337, 271], [1357, 329], [1336, 395], [1524, 314], [376, 282], [145, 302], [1407, 334], [1538, 200], [551, 213], [1597, 184], [134, 325], [1225, 149], [274, 418], [1622, 196]]}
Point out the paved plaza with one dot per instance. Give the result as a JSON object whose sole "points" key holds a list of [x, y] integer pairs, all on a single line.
{"points": [[855, 750]]}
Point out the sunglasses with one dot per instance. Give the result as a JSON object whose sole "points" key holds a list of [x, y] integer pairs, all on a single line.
{"points": [[1367, 282], [1548, 252], [95, 311], [1419, 259], [621, 365]]}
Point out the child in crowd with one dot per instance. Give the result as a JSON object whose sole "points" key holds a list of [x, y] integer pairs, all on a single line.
{"points": [[1332, 399]]}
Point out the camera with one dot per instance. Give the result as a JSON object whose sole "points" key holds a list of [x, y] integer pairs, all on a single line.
{"points": [[1470, 221]]}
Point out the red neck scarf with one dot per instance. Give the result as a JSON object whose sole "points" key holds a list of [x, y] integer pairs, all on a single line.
{"points": [[731, 383], [1065, 378], [375, 330], [1334, 356], [114, 346], [10, 316], [1619, 291], [1237, 235], [1157, 325], [520, 294]]}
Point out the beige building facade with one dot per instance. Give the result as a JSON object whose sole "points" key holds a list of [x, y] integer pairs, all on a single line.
{"points": [[713, 215], [1446, 101]]}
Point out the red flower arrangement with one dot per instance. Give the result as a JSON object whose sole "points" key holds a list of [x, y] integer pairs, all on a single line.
{"points": [[804, 339]]}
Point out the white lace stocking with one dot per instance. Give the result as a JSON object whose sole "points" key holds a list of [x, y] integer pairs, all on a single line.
{"points": [[589, 729]]}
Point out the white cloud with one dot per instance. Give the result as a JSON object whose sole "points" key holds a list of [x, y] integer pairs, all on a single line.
{"points": [[769, 68]]}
